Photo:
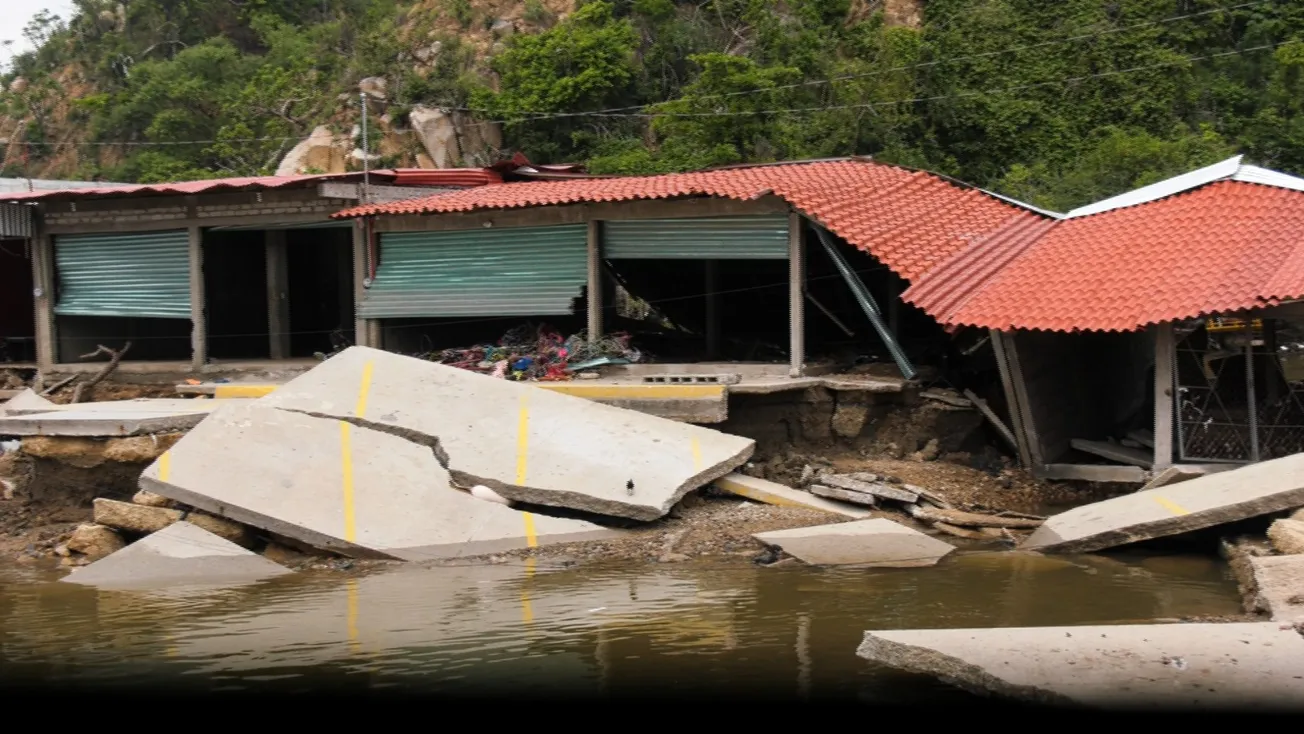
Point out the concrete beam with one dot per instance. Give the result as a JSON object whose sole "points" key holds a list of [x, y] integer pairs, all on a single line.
{"points": [[773, 493], [1092, 473], [1163, 391], [873, 543], [594, 289], [1114, 452], [796, 297], [198, 319], [43, 276]]}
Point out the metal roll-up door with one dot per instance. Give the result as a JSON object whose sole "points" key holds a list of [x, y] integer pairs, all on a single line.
{"points": [[143, 274], [721, 238], [497, 272]]}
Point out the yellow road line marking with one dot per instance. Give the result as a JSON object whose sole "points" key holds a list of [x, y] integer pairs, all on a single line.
{"points": [[522, 451], [346, 455], [527, 609], [346, 459], [697, 454], [243, 391], [165, 466], [1171, 506], [365, 388]]}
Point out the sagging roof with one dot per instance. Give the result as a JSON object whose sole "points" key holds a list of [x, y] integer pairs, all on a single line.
{"points": [[1224, 238], [910, 220], [448, 177]]}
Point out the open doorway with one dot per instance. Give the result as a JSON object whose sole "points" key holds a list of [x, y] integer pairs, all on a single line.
{"points": [[319, 267], [17, 307], [235, 295]]}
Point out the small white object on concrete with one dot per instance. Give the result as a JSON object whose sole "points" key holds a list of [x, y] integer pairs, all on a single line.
{"points": [[180, 554], [25, 401], [1246, 666], [878, 542], [773, 493], [482, 492], [526, 443], [340, 487], [1213, 499]]}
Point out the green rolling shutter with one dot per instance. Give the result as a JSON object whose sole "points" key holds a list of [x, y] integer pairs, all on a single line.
{"points": [[482, 272], [144, 274], [721, 238]]}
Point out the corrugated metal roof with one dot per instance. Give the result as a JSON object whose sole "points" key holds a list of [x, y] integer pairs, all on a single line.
{"points": [[451, 177], [1164, 254], [8, 185], [910, 220]]}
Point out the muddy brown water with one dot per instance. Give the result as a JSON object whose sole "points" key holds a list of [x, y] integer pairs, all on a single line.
{"points": [[696, 628]]}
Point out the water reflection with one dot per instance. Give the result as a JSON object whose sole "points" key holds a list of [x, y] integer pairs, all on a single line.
{"points": [[690, 628]]}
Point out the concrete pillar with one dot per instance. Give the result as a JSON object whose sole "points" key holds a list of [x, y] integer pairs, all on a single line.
{"points": [[278, 294], [710, 288], [1164, 395], [43, 280], [361, 328], [796, 297], [198, 323], [595, 285]]}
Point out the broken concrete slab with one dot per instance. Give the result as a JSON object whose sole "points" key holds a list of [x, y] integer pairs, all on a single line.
{"points": [[1179, 666], [1115, 452], [119, 407], [1213, 499], [1287, 536], [844, 495], [527, 444], [876, 488], [146, 519], [180, 554], [773, 493], [1279, 586], [1172, 475], [95, 541], [335, 486], [876, 543], [99, 423], [24, 401]]}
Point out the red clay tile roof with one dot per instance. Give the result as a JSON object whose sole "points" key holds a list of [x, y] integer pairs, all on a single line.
{"points": [[909, 220], [1222, 247]]}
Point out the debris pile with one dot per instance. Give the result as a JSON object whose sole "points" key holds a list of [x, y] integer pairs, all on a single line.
{"points": [[529, 353]]}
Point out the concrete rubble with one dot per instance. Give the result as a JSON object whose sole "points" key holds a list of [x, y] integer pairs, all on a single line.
{"points": [[1287, 536], [773, 493], [349, 490], [1278, 583], [527, 444], [107, 419], [145, 519], [875, 542], [1194, 504], [26, 401], [179, 554], [1240, 666]]}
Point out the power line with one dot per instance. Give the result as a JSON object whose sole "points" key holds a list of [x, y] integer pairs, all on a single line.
{"points": [[907, 67], [818, 108]]}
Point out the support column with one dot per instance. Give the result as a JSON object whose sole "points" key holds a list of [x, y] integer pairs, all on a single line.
{"points": [[709, 286], [594, 241], [796, 298], [361, 327], [198, 323], [1163, 396], [47, 353], [278, 294]]}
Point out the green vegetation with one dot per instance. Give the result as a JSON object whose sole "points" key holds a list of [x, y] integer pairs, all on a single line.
{"points": [[1055, 103]]}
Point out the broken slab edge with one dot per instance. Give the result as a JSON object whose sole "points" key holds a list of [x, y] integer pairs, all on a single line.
{"points": [[567, 500], [952, 671], [257, 520], [474, 548], [1161, 528]]}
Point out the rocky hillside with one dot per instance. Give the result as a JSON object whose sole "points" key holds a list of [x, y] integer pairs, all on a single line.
{"points": [[1057, 103]]}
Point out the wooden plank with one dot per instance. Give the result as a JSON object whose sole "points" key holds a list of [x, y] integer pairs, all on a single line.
{"points": [[1093, 473], [994, 419], [1162, 457], [878, 489], [845, 495], [947, 398], [1114, 452], [1016, 397]]}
